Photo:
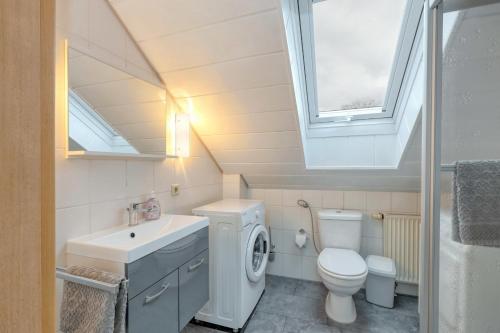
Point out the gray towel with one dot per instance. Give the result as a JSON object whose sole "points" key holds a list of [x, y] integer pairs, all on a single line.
{"points": [[476, 203], [85, 309]]}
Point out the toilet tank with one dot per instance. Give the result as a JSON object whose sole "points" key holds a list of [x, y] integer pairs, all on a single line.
{"points": [[340, 229]]}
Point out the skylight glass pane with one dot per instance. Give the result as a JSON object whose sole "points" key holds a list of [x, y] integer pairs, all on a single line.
{"points": [[355, 44]]}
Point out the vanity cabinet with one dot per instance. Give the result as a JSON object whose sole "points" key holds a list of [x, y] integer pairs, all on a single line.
{"points": [[168, 286]]}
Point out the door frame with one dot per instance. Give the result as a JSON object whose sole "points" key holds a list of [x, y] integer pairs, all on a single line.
{"points": [[27, 177]]}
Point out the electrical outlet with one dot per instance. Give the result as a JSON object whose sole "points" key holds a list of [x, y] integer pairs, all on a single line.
{"points": [[174, 189]]}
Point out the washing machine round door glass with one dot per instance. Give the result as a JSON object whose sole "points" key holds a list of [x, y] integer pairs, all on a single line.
{"points": [[257, 253]]}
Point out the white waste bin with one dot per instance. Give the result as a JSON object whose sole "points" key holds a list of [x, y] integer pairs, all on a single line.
{"points": [[381, 281]]}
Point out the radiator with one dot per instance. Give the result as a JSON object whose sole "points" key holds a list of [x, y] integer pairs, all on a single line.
{"points": [[401, 243]]}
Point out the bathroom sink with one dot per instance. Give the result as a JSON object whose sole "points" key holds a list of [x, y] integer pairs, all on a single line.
{"points": [[126, 244]]}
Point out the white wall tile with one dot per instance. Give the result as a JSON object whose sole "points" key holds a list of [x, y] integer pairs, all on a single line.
{"points": [[372, 228], [294, 218], [285, 242], [355, 200], [107, 214], [164, 175], [290, 197], [310, 269], [404, 202], [292, 265], [332, 199], [274, 216], [72, 185], [274, 197], [108, 180], [70, 223], [371, 245], [378, 201], [257, 194], [140, 178], [313, 197], [276, 267]]}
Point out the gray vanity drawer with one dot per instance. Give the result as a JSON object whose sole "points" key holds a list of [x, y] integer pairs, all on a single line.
{"points": [[149, 269], [156, 309], [193, 287]]}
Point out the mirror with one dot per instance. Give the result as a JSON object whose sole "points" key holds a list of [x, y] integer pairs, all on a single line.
{"points": [[112, 112]]}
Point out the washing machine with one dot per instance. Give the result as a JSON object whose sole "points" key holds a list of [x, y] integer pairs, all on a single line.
{"points": [[238, 250]]}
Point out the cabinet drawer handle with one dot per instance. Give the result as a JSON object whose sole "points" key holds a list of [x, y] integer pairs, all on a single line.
{"points": [[151, 298], [195, 266]]}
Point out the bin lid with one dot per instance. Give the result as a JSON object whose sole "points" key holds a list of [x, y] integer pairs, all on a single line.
{"points": [[381, 266]]}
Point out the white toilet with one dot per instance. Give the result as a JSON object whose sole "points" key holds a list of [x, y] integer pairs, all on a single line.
{"points": [[340, 267]]}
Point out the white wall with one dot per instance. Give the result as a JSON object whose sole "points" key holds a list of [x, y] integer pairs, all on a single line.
{"points": [[92, 194], [285, 218]]}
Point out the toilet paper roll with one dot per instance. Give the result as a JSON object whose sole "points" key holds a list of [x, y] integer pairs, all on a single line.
{"points": [[300, 238]]}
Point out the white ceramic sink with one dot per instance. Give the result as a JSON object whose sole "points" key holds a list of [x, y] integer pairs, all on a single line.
{"points": [[126, 244]]}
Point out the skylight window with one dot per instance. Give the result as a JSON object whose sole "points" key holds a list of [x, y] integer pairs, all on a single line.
{"points": [[352, 49]]}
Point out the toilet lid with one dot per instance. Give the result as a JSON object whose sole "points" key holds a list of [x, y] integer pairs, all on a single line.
{"points": [[342, 262]]}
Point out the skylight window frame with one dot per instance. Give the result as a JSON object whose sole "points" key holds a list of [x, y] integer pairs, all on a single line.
{"points": [[401, 60]]}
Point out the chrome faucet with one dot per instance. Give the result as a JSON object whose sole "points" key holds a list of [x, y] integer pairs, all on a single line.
{"points": [[133, 209]]}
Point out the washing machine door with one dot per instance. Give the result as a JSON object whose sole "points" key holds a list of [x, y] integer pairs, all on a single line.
{"points": [[257, 253]]}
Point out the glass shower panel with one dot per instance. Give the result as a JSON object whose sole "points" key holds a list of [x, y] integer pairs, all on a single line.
{"points": [[469, 274]]}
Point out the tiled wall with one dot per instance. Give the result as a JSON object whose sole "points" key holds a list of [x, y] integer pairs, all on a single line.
{"points": [[233, 187], [285, 217], [92, 194]]}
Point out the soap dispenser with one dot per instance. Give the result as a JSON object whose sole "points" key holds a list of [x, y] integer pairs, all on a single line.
{"points": [[152, 209]]}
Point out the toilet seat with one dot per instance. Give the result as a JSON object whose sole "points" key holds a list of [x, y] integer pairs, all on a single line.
{"points": [[342, 263]]}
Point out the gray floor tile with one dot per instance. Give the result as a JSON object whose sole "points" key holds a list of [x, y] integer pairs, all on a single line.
{"points": [[262, 322], [311, 289], [295, 325], [281, 285], [293, 306]]}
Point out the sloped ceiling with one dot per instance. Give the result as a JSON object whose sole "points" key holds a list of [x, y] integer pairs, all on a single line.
{"points": [[227, 62]]}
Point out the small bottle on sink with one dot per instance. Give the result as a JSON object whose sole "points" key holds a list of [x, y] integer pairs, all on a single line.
{"points": [[152, 209]]}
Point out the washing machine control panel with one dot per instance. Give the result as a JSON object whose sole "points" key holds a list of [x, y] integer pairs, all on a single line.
{"points": [[252, 216]]}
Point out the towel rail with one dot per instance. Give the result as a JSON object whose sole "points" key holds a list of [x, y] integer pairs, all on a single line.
{"points": [[63, 275], [448, 167]]}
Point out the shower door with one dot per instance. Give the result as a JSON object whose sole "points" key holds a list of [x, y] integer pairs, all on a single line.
{"points": [[461, 122]]}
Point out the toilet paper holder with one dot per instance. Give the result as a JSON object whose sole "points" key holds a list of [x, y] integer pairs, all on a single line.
{"points": [[301, 238]]}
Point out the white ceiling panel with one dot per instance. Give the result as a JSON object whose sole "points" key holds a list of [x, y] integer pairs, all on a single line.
{"points": [[247, 123], [252, 72], [285, 139], [216, 43], [284, 155], [226, 63], [265, 99], [173, 16]]}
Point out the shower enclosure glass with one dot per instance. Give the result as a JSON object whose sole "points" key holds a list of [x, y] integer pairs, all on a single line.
{"points": [[461, 122]]}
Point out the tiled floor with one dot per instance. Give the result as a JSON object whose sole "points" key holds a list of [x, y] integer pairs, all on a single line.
{"points": [[295, 306]]}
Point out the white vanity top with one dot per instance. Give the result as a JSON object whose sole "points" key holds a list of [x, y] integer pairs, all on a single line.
{"points": [[126, 244]]}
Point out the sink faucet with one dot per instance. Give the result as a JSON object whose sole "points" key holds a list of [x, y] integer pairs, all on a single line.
{"points": [[133, 209]]}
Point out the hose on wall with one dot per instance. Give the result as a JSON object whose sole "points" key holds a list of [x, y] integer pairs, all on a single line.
{"points": [[304, 204]]}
